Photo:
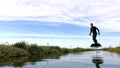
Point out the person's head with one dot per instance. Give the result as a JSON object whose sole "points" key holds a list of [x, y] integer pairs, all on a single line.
{"points": [[91, 24]]}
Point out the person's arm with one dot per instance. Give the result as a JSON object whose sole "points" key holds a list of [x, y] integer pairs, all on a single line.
{"points": [[90, 31], [98, 31]]}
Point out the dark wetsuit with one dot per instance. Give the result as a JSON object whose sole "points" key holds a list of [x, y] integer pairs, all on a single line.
{"points": [[94, 30]]}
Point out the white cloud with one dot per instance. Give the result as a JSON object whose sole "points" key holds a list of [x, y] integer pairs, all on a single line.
{"points": [[42, 35], [105, 13]]}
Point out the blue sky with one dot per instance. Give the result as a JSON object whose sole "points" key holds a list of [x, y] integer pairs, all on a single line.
{"points": [[64, 23]]}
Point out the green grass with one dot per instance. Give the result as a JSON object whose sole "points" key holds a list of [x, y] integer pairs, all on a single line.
{"points": [[116, 49], [22, 48], [9, 51]]}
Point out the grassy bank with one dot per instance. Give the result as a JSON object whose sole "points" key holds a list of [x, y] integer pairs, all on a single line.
{"points": [[10, 51], [24, 49], [115, 49]]}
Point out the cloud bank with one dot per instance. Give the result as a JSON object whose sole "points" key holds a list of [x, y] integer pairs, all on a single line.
{"points": [[104, 13]]}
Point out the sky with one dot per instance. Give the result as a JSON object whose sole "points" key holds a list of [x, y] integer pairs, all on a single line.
{"points": [[64, 23]]}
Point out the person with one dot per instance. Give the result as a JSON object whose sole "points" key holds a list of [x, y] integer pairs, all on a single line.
{"points": [[94, 31]]}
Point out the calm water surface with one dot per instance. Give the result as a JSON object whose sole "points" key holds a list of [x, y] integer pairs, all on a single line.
{"points": [[89, 59]]}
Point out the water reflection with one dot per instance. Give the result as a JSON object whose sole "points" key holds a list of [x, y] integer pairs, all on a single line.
{"points": [[97, 60], [20, 61], [88, 59], [16, 62]]}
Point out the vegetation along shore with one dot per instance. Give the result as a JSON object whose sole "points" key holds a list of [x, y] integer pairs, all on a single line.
{"points": [[113, 49], [22, 48]]}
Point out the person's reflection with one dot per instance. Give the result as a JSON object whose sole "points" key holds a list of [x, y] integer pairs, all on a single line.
{"points": [[97, 66], [97, 61]]}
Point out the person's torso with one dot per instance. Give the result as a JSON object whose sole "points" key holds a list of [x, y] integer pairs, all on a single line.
{"points": [[94, 29]]}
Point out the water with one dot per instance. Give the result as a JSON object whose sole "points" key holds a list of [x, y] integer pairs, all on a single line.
{"points": [[89, 59]]}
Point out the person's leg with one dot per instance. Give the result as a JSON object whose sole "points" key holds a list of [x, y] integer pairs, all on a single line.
{"points": [[94, 38]]}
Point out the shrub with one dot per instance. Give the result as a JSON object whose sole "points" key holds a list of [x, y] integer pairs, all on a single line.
{"points": [[51, 49], [78, 49], [9, 51], [35, 50], [55, 47], [54, 50], [21, 44], [64, 50]]}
